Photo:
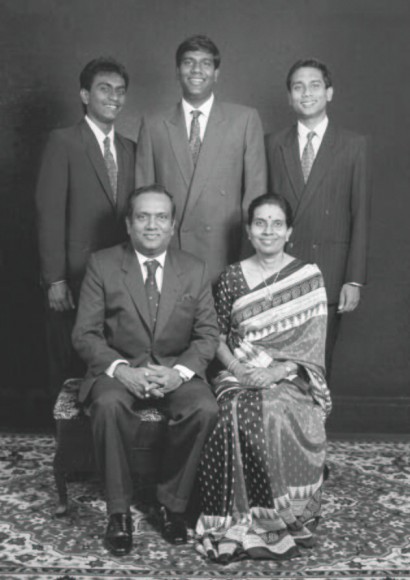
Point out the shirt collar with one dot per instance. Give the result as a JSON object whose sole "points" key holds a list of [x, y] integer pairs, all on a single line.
{"points": [[205, 108], [100, 135], [319, 129], [160, 259]]}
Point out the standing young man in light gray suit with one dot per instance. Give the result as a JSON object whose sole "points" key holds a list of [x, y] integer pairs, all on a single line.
{"points": [[321, 170], [208, 154], [86, 174], [147, 329]]}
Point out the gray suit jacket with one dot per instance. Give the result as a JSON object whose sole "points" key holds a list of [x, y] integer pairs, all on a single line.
{"points": [[113, 319], [212, 200]]}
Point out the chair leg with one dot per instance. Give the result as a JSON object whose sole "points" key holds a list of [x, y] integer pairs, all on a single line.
{"points": [[61, 485]]}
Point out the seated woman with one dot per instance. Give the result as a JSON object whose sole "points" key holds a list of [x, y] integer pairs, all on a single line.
{"points": [[261, 471]]}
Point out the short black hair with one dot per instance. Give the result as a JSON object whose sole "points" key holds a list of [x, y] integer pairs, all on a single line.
{"points": [[98, 65], [271, 199], [153, 188], [198, 42], [311, 63]]}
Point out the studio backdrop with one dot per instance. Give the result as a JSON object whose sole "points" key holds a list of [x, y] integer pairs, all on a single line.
{"points": [[366, 44]]}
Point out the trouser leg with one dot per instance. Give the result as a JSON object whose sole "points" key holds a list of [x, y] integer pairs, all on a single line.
{"points": [[63, 362], [114, 424], [333, 325], [192, 412]]}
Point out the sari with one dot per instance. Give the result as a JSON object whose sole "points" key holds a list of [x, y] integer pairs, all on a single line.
{"points": [[261, 471]]}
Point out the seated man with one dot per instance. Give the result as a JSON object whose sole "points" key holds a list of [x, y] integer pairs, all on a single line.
{"points": [[146, 327]]}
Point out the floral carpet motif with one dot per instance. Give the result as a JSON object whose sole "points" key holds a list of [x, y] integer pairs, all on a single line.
{"points": [[364, 533]]}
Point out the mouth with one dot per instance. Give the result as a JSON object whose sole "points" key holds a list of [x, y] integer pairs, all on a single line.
{"points": [[308, 103], [196, 81]]}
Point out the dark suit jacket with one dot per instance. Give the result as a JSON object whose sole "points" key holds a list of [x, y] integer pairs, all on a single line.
{"points": [[113, 320], [331, 211], [75, 210], [230, 172]]}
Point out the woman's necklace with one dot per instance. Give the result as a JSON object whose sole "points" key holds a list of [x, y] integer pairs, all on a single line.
{"points": [[264, 272]]}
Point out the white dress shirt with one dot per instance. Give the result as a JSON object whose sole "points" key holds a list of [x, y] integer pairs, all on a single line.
{"points": [[319, 130], [186, 373], [203, 118], [100, 136]]}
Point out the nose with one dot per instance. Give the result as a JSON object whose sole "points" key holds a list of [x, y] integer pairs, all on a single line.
{"points": [[114, 96], [269, 229], [151, 224], [196, 66]]}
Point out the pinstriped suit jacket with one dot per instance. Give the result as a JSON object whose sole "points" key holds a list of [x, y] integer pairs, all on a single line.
{"points": [[331, 211], [213, 199]]}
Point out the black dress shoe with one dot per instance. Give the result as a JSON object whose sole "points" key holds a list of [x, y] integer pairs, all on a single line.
{"points": [[173, 527], [118, 536]]}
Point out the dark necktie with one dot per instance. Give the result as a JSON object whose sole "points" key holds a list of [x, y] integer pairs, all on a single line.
{"points": [[308, 156], [195, 136], [111, 167], [151, 289]]}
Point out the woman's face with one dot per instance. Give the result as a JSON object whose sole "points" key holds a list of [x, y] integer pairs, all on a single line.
{"points": [[268, 231]]}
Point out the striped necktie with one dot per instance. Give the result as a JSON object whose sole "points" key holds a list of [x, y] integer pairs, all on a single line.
{"points": [[308, 156], [195, 136], [111, 167]]}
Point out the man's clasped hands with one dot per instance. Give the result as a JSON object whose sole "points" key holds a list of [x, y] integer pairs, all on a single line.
{"points": [[150, 381]]}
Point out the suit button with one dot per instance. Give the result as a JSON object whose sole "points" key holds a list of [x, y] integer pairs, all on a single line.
{"points": [[327, 212], [208, 228], [223, 192], [314, 246], [290, 244]]}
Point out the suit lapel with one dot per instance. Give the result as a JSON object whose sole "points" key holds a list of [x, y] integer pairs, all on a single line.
{"points": [[320, 167], [171, 289], [291, 157], [179, 142], [94, 153], [211, 145], [135, 284]]}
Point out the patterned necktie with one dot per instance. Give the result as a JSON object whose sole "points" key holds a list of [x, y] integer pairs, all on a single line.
{"points": [[151, 290], [195, 136], [111, 167], [308, 156]]}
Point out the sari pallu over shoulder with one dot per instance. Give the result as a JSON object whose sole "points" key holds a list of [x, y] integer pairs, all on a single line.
{"points": [[284, 321]]}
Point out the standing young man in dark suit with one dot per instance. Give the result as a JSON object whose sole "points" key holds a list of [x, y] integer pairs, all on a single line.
{"points": [[86, 174], [147, 329], [208, 154], [321, 170]]}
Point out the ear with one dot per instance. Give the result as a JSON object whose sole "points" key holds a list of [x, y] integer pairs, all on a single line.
{"points": [[216, 74], [248, 230], [329, 94], [290, 99], [128, 225], [85, 96], [288, 234]]}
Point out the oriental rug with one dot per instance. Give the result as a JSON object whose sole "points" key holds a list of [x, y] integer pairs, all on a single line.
{"points": [[364, 532]]}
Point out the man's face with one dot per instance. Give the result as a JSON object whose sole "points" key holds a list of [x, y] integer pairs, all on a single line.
{"points": [[151, 226], [308, 95], [197, 75], [105, 98]]}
